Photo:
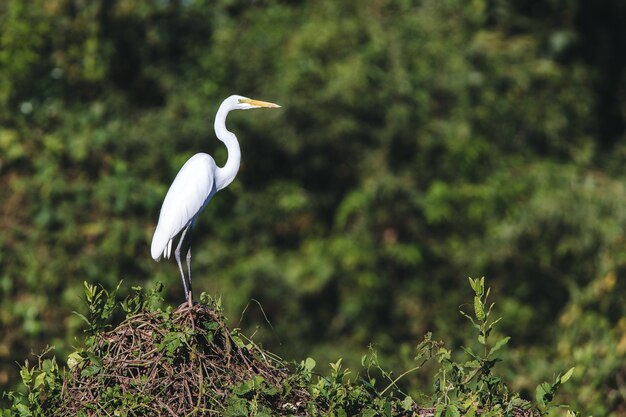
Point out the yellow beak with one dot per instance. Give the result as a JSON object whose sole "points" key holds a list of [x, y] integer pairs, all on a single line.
{"points": [[258, 103]]}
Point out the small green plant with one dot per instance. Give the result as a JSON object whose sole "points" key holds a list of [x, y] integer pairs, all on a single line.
{"points": [[545, 392], [143, 300], [424, 352], [246, 400], [100, 307], [471, 387], [41, 385]]}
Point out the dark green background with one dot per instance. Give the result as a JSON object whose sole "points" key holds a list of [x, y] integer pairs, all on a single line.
{"points": [[420, 142]]}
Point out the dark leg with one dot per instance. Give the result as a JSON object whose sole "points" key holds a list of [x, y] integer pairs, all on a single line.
{"points": [[189, 271], [180, 265], [185, 248]]}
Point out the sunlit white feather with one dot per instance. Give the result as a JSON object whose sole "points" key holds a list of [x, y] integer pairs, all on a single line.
{"points": [[191, 190], [196, 183]]}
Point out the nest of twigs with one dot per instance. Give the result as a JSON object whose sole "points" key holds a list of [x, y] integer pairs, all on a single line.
{"points": [[188, 363]]}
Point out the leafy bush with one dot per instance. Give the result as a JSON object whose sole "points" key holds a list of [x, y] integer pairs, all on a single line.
{"points": [[186, 362]]}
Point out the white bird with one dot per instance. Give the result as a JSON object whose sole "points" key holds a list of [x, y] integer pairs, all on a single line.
{"points": [[195, 184]]}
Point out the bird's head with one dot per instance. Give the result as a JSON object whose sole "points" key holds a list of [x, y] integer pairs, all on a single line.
{"points": [[245, 103]]}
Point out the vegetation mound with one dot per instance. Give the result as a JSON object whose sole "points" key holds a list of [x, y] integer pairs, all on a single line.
{"points": [[187, 362], [184, 363]]}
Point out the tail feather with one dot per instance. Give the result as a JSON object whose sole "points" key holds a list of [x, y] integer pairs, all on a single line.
{"points": [[159, 245]]}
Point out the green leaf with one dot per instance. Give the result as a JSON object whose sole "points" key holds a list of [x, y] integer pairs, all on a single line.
{"points": [[407, 403], [493, 323], [209, 338], [452, 411], [238, 341], [26, 374], [499, 345], [309, 364], [479, 310], [476, 326], [210, 325], [244, 388], [471, 353], [91, 370], [541, 393], [74, 359], [39, 380], [171, 342], [85, 319], [269, 390], [23, 410], [439, 409], [368, 412], [473, 364], [387, 409], [335, 367], [237, 407], [567, 375]]}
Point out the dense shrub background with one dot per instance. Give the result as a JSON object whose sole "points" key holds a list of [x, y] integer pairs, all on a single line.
{"points": [[419, 142]]}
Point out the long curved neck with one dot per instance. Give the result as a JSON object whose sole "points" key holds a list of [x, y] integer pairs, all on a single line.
{"points": [[226, 174]]}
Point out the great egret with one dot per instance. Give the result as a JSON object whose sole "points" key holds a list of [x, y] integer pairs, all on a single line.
{"points": [[195, 184]]}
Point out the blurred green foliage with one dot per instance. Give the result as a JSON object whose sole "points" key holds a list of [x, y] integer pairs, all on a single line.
{"points": [[419, 142]]}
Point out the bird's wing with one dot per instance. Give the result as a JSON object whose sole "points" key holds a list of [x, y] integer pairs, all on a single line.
{"points": [[192, 188]]}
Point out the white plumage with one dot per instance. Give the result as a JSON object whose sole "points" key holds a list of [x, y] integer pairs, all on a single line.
{"points": [[191, 190], [195, 184]]}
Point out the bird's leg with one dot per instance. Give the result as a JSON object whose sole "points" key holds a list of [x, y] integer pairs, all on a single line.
{"points": [[189, 299], [185, 245], [180, 265]]}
